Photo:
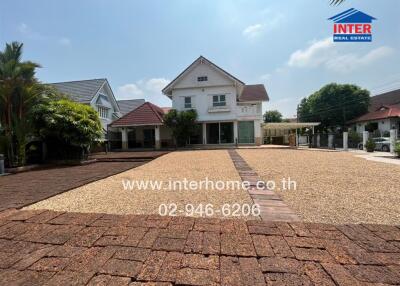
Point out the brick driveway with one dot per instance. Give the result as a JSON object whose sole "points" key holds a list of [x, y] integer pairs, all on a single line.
{"points": [[26, 188], [45, 247]]}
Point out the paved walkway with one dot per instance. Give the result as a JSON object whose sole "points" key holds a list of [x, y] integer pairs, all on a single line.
{"points": [[272, 207], [22, 189], [50, 248]]}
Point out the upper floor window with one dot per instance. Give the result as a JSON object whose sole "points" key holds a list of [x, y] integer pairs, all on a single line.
{"points": [[219, 100], [103, 111], [202, 78], [188, 102]]}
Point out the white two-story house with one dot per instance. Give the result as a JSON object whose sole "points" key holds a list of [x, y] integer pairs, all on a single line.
{"points": [[229, 111]]}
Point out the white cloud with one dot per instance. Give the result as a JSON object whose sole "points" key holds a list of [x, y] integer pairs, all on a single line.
{"points": [[270, 20], [149, 89], [64, 41], [23, 28], [129, 91], [253, 31], [314, 55], [325, 53]]}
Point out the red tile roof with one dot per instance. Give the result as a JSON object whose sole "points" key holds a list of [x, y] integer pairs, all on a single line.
{"points": [[254, 92], [145, 114], [385, 111]]}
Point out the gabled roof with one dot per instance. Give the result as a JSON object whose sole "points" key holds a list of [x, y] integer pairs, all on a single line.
{"points": [[145, 114], [128, 105], [254, 92], [81, 91], [387, 98], [199, 60], [384, 111], [352, 16]]}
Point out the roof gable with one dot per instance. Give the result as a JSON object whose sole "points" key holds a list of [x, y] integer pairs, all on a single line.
{"points": [[352, 16], [190, 71], [145, 114]]}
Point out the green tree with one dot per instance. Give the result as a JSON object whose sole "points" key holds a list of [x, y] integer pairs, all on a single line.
{"points": [[68, 126], [183, 125], [334, 104], [272, 116], [19, 92]]}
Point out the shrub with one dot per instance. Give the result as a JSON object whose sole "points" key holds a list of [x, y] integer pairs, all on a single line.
{"points": [[397, 149], [182, 123], [370, 145], [69, 128]]}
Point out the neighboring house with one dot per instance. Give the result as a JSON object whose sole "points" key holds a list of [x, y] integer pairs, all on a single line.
{"points": [[95, 92], [383, 114], [128, 105], [229, 111]]}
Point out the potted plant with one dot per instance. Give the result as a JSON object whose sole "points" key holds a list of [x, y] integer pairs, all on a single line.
{"points": [[370, 145]]}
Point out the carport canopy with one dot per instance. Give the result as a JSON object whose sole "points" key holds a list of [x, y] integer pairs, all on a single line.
{"points": [[289, 125]]}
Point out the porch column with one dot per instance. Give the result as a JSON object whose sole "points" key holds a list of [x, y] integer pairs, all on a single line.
{"points": [[330, 140], [345, 141], [157, 137], [204, 134], [365, 139], [124, 132], [257, 132], [235, 132], [392, 140]]}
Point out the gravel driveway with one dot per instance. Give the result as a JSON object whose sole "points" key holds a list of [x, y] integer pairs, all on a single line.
{"points": [[332, 187], [109, 196]]}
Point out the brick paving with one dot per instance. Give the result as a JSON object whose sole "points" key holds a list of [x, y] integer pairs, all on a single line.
{"points": [[55, 248], [26, 188], [272, 207]]}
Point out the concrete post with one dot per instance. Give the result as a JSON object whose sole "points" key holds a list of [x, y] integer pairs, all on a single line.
{"points": [[318, 140], [330, 140], [204, 133], [235, 132], [124, 132], [365, 139], [392, 140], [157, 137], [345, 141]]}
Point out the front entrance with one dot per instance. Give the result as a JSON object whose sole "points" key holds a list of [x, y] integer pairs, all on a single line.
{"points": [[219, 133], [246, 132]]}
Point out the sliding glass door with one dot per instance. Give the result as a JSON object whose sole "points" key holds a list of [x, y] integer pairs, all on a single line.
{"points": [[246, 132], [219, 133]]}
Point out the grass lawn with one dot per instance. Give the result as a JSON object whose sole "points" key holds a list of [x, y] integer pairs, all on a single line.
{"points": [[332, 187]]}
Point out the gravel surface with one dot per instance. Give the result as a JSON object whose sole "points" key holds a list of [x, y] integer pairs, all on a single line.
{"points": [[332, 187], [109, 196]]}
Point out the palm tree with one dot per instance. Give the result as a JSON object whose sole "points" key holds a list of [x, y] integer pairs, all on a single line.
{"points": [[19, 92]]}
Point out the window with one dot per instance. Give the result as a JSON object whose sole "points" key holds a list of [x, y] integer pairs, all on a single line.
{"points": [[103, 111], [202, 78], [219, 100], [188, 102]]}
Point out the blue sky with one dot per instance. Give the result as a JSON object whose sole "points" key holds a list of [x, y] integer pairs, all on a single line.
{"points": [[139, 46]]}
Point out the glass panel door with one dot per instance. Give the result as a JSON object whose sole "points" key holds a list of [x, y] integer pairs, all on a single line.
{"points": [[149, 138], [246, 132]]}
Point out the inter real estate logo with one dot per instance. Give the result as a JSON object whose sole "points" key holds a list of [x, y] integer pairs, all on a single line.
{"points": [[352, 26]]}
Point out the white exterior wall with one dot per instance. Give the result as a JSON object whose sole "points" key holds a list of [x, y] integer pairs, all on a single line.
{"points": [[383, 125]]}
